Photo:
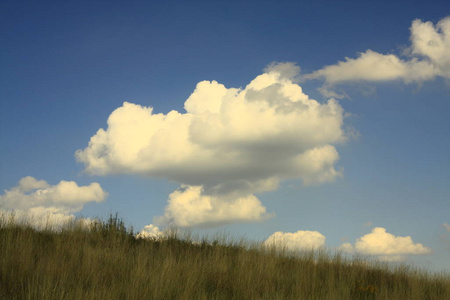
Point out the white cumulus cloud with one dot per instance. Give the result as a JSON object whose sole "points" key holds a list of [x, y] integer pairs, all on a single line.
{"points": [[45, 204], [300, 240], [428, 57], [229, 144], [385, 245], [189, 207], [151, 232]]}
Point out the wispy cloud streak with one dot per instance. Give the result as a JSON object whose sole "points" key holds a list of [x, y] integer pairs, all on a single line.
{"points": [[426, 58]]}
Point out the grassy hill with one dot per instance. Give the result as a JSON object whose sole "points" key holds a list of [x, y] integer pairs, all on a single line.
{"points": [[106, 261]]}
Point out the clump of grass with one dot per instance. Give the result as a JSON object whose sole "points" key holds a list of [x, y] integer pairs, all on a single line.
{"points": [[104, 260]]}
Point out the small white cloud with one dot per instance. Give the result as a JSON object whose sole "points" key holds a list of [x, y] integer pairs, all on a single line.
{"points": [[228, 145], [150, 232], [380, 242], [43, 204], [300, 240], [429, 57], [385, 245], [188, 206]]}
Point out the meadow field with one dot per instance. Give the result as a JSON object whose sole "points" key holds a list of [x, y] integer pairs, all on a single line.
{"points": [[105, 260]]}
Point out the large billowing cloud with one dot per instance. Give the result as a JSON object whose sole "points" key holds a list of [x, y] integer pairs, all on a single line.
{"points": [[427, 58], [229, 144], [300, 240], [385, 245], [45, 204]]}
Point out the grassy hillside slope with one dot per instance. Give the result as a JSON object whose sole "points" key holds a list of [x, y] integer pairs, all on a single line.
{"points": [[106, 261]]}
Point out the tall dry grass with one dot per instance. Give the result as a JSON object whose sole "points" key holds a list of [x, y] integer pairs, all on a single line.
{"points": [[105, 261]]}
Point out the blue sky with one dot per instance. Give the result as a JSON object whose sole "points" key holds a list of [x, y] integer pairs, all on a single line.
{"points": [[65, 67]]}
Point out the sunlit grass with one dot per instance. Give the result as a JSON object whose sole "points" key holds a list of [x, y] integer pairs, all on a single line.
{"points": [[104, 260]]}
